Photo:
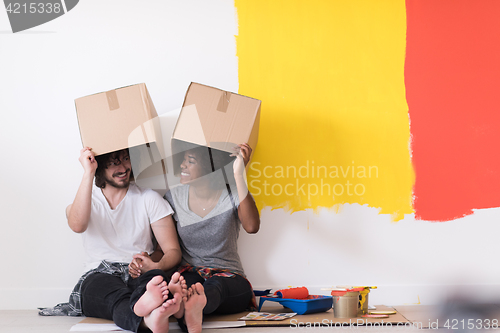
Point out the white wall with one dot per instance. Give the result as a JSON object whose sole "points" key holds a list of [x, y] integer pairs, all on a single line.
{"points": [[101, 45]]}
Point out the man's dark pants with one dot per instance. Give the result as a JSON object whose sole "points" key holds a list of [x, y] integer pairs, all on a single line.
{"points": [[107, 296]]}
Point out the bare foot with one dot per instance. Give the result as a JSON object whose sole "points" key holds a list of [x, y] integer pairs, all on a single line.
{"points": [[194, 303], [177, 285], [156, 293], [157, 320]]}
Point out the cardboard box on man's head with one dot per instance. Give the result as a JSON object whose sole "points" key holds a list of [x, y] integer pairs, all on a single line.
{"points": [[215, 118], [122, 118]]}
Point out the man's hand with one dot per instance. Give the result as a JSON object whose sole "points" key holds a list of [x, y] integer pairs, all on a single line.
{"points": [[87, 159], [134, 268], [141, 263], [78, 213]]}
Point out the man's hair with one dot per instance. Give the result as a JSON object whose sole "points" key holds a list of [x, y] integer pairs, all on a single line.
{"points": [[102, 161]]}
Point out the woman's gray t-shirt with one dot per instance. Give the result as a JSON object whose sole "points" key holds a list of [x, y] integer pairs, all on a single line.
{"points": [[210, 241]]}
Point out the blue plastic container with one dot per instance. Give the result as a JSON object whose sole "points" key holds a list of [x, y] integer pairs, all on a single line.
{"points": [[314, 303]]}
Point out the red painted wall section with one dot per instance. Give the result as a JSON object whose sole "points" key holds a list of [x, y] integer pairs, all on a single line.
{"points": [[452, 77]]}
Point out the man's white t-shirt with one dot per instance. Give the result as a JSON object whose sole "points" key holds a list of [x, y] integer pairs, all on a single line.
{"points": [[117, 234]]}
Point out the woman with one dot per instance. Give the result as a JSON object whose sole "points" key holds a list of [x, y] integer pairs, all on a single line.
{"points": [[209, 206]]}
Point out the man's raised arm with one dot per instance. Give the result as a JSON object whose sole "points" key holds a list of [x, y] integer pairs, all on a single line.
{"points": [[78, 213]]}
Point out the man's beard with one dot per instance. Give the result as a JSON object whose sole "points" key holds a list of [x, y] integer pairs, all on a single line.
{"points": [[114, 184]]}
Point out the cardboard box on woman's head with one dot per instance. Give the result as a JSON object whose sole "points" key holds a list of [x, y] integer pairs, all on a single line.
{"points": [[216, 119]]}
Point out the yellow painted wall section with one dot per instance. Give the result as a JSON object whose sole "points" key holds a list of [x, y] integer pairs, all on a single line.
{"points": [[334, 125]]}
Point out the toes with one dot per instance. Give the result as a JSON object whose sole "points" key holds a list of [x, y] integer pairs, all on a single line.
{"points": [[175, 277], [198, 288], [157, 279]]}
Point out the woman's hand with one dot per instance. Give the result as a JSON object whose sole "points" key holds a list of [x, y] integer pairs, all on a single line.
{"points": [[243, 153], [247, 210]]}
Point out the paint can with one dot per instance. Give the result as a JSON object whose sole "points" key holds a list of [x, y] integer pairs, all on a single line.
{"points": [[345, 303], [363, 299]]}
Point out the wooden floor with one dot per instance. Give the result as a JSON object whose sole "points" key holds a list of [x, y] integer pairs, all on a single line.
{"points": [[22, 321], [412, 319]]}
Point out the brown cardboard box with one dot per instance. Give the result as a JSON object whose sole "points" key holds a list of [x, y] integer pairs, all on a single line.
{"points": [[123, 118], [217, 119], [118, 119]]}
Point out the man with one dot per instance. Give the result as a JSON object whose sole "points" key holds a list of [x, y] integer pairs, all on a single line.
{"points": [[116, 218]]}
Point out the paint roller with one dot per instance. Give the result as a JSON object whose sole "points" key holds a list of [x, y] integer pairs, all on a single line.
{"points": [[293, 293]]}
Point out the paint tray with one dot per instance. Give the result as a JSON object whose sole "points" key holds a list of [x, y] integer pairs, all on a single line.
{"points": [[312, 304]]}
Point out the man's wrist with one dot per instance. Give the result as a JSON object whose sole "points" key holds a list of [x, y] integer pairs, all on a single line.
{"points": [[88, 175]]}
